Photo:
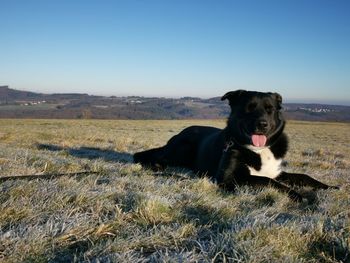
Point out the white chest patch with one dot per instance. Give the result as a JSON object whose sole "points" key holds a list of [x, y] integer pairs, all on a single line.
{"points": [[270, 166]]}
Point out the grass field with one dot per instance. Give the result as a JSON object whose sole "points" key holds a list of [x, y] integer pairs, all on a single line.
{"points": [[125, 213]]}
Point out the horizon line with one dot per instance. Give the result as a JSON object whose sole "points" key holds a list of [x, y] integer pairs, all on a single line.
{"points": [[334, 102]]}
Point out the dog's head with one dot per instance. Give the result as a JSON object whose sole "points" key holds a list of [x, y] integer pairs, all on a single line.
{"points": [[256, 118]]}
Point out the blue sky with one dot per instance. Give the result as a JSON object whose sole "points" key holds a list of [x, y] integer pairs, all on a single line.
{"points": [[178, 48]]}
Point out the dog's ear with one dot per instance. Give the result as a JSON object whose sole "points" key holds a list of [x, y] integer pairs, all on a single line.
{"points": [[278, 99], [232, 96]]}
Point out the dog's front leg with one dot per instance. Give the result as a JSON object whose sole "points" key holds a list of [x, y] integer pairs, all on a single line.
{"points": [[232, 173], [302, 180], [227, 167], [265, 181]]}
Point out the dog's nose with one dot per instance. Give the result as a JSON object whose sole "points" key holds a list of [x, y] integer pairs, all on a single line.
{"points": [[262, 124]]}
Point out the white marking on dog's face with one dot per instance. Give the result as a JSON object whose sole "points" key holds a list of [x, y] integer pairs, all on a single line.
{"points": [[270, 166]]}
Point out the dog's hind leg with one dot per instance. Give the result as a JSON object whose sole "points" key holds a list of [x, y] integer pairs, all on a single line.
{"points": [[153, 158]]}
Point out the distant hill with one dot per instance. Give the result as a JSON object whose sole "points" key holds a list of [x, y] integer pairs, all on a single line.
{"points": [[11, 95], [25, 104]]}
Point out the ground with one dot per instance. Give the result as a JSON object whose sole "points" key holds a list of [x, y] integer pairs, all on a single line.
{"points": [[121, 212]]}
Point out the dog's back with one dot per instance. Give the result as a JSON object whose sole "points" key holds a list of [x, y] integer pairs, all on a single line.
{"points": [[181, 150]]}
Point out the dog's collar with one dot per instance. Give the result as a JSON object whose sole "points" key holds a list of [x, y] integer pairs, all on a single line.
{"points": [[228, 145]]}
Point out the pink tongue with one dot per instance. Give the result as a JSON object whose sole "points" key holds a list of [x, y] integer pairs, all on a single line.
{"points": [[259, 140]]}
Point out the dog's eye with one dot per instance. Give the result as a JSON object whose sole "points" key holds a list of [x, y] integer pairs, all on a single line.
{"points": [[251, 107], [269, 109]]}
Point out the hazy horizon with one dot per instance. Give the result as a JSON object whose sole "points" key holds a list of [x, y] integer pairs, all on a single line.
{"points": [[300, 49], [285, 99]]}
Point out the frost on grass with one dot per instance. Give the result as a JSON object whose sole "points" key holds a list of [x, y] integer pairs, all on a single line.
{"points": [[125, 213]]}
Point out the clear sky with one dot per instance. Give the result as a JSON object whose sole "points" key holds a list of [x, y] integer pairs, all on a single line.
{"points": [[175, 48]]}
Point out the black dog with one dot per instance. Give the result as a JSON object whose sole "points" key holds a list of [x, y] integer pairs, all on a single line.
{"points": [[248, 151]]}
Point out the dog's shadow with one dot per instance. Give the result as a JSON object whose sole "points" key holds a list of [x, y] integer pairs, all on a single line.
{"points": [[90, 153]]}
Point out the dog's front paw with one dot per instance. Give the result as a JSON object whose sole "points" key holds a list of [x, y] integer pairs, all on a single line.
{"points": [[337, 187], [295, 196]]}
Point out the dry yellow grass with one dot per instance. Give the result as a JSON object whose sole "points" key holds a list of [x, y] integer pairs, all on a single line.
{"points": [[126, 213]]}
